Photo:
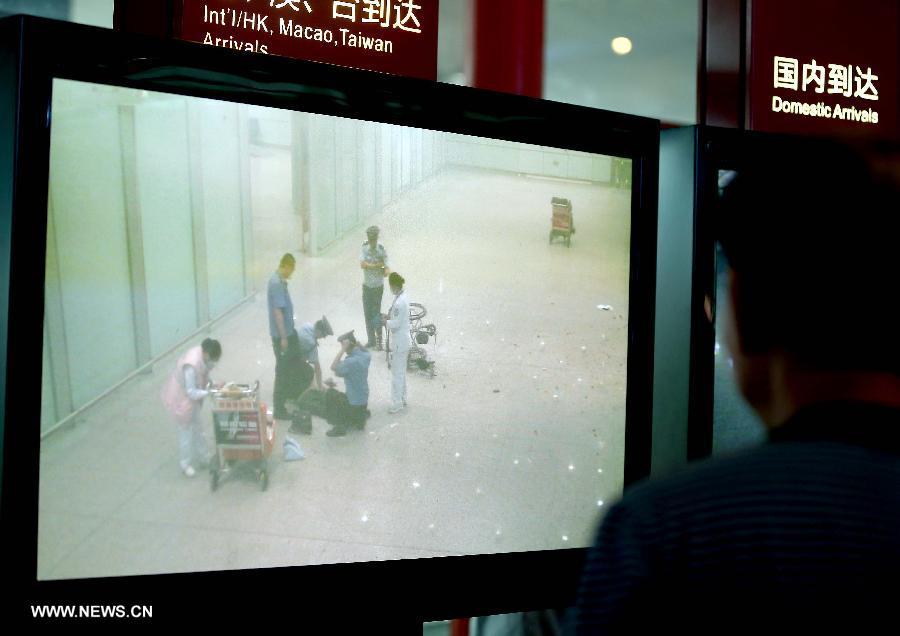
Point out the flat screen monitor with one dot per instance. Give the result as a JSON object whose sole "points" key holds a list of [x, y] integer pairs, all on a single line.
{"points": [[158, 187]]}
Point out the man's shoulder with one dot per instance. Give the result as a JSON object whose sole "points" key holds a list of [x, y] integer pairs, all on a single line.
{"points": [[795, 470], [733, 466]]}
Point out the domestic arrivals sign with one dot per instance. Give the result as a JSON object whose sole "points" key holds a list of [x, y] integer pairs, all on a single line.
{"points": [[825, 67], [851, 82], [391, 36]]}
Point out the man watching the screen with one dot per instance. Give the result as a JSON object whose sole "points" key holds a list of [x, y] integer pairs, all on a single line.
{"points": [[805, 529]]}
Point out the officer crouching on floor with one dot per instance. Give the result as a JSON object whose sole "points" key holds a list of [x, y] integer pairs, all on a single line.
{"points": [[349, 410]]}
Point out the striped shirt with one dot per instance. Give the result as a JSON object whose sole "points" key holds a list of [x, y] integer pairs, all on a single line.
{"points": [[804, 529]]}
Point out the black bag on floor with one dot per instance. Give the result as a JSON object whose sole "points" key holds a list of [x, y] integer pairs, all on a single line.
{"points": [[301, 422], [302, 409]]}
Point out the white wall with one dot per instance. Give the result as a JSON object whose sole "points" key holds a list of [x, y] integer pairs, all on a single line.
{"points": [[88, 222], [356, 168], [395, 143], [477, 152], [220, 148], [406, 158], [93, 12], [322, 174], [346, 181], [270, 126], [48, 399], [161, 145], [368, 165], [122, 263]]}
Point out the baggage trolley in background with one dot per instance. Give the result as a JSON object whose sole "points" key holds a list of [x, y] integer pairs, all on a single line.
{"points": [[561, 223], [243, 432], [419, 334]]}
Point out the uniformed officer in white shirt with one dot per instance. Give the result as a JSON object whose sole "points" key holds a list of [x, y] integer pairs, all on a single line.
{"points": [[397, 320], [373, 260]]}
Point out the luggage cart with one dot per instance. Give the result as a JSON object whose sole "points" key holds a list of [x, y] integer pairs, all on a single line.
{"points": [[243, 431], [419, 334], [561, 223]]}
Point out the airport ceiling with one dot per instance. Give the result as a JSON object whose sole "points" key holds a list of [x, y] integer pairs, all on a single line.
{"points": [[658, 78]]}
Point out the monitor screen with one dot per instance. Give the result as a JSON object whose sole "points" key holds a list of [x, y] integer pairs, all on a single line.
{"points": [[473, 440], [168, 217]]}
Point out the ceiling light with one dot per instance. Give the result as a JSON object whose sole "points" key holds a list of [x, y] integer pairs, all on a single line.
{"points": [[621, 46]]}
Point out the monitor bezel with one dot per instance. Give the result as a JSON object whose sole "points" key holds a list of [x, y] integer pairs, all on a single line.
{"points": [[715, 148], [38, 51]]}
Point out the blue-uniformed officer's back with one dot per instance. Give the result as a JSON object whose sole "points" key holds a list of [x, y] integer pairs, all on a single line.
{"points": [[355, 371]]}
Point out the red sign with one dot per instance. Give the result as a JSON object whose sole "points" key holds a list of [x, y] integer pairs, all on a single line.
{"points": [[391, 36], [825, 67]]}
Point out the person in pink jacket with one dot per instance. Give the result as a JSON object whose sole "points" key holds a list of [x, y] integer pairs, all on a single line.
{"points": [[183, 396]]}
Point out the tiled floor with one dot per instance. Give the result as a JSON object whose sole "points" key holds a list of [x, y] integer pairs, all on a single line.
{"points": [[510, 447]]}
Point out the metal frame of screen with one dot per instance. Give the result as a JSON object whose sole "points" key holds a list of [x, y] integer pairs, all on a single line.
{"points": [[714, 149], [33, 53]]}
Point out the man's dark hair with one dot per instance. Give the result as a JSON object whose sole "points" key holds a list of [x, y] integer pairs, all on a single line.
{"points": [[212, 348], [810, 231], [396, 280], [287, 260]]}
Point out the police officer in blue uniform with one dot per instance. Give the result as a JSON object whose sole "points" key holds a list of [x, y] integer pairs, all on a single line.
{"points": [[349, 410], [281, 328]]}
